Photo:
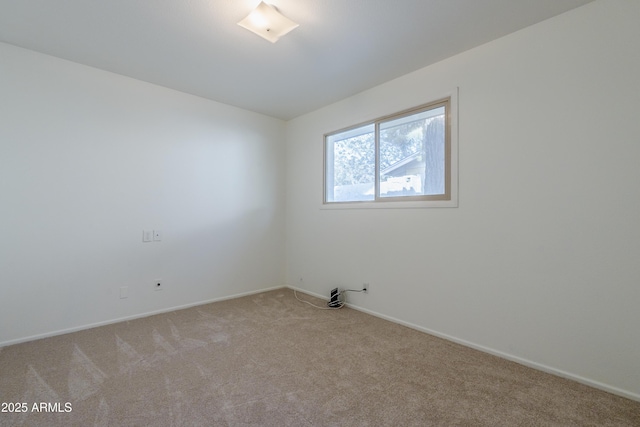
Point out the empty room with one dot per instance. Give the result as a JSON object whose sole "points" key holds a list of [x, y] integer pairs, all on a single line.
{"points": [[319, 213]]}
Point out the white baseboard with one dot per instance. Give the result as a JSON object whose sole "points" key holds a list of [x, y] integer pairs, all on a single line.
{"points": [[132, 317], [529, 363], [304, 291]]}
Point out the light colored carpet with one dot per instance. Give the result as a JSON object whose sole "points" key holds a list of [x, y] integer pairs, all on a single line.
{"points": [[270, 360]]}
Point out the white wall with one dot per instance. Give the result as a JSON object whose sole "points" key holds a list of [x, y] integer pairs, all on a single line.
{"points": [[540, 261], [88, 159]]}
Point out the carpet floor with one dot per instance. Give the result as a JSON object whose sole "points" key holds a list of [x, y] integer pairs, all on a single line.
{"points": [[270, 360]]}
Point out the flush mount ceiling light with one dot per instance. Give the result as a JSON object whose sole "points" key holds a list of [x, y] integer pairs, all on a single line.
{"points": [[267, 22]]}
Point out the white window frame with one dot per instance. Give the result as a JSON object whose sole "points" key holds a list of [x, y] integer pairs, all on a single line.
{"points": [[451, 127]]}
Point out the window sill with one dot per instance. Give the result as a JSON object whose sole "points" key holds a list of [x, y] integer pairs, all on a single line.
{"points": [[391, 205]]}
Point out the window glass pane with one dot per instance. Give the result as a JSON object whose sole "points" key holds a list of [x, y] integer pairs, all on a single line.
{"points": [[412, 154], [350, 165]]}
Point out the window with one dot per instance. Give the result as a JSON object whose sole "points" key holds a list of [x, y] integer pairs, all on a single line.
{"points": [[404, 157]]}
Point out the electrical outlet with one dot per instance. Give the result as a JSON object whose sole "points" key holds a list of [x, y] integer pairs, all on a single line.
{"points": [[124, 292], [158, 285], [365, 287]]}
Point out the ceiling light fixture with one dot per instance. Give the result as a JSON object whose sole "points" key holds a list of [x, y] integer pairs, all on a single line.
{"points": [[267, 22]]}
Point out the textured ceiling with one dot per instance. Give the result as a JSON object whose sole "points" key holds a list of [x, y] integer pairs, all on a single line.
{"points": [[342, 47]]}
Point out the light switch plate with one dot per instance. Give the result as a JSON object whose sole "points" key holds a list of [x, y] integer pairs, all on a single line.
{"points": [[157, 235], [147, 235]]}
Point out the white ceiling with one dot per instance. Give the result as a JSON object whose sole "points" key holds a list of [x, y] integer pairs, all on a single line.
{"points": [[342, 47]]}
